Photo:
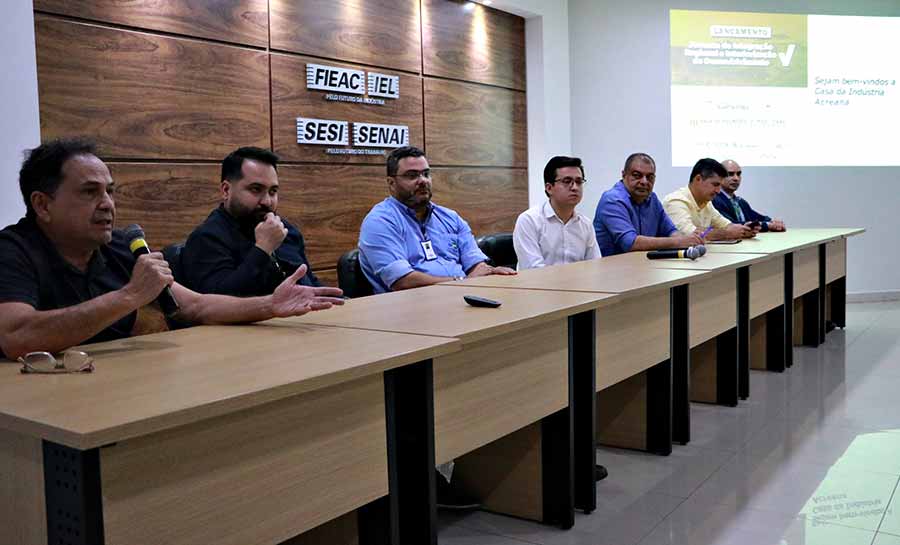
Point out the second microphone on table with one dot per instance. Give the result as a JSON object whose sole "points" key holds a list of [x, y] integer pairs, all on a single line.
{"points": [[691, 253]]}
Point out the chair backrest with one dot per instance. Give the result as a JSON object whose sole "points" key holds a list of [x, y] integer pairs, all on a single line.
{"points": [[172, 254], [499, 249], [350, 275]]}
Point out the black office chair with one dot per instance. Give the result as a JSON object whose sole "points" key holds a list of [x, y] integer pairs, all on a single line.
{"points": [[172, 254], [350, 276], [499, 249]]}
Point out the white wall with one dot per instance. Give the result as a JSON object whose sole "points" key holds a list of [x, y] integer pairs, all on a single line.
{"points": [[18, 103], [620, 104]]}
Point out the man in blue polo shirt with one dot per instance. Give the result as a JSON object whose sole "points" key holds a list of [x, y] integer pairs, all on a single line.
{"points": [[406, 241], [630, 217]]}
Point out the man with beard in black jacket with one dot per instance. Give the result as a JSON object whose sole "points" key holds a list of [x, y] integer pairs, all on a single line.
{"points": [[244, 248]]}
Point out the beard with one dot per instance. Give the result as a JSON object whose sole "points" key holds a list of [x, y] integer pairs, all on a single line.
{"points": [[248, 218], [415, 198]]}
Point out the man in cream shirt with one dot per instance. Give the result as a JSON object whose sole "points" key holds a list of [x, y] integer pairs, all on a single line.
{"points": [[553, 232], [691, 209]]}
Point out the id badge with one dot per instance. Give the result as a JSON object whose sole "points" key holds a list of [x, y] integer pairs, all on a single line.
{"points": [[429, 250]]}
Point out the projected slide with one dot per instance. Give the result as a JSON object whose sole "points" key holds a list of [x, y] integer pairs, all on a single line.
{"points": [[772, 89]]}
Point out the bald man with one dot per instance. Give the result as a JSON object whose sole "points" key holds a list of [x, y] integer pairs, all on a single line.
{"points": [[737, 209]]}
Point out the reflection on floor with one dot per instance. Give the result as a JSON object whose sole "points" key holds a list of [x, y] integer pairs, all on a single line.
{"points": [[813, 457]]}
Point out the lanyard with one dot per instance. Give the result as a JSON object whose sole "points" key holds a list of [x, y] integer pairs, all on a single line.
{"points": [[423, 224]]}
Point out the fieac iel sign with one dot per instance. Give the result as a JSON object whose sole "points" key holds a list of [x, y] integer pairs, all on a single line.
{"points": [[320, 77]]}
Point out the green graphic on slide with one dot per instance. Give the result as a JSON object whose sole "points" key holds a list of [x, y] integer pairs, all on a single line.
{"points": [[740, 49]]}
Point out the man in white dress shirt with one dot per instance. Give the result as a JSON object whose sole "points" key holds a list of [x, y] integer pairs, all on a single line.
{"points": [[553, 232]]}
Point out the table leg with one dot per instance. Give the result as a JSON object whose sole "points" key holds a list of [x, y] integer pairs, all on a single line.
{"points": [[72, 493], [409, 406], [680, 351], [777, 343], [583, 372], [743, 331], [659, 408], [788, 310]]}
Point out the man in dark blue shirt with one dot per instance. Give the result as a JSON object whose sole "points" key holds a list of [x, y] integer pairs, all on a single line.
{"points": [[630, 217], [736, 209], [243, 248]]}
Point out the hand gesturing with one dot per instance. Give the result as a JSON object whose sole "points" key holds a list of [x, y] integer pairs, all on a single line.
{"points": [[292, 299]]}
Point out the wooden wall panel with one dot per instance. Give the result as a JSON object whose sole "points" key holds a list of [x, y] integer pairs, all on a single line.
{"points": [[148, 96], [317, 199], [237, 21], [168, 104], [374, 32], [473, 43], [328, 203], [167, 200], [489, 199], [469, 124], [291, 99]]}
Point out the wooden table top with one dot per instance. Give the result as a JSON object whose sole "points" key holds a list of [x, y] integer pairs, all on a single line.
{"points": [[781, 243], [597, 275], [160, 381], [440, 310], [709, 262]]}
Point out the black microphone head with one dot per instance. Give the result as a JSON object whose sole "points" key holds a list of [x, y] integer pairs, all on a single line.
{"points": [[133, 232], [702, 249]]}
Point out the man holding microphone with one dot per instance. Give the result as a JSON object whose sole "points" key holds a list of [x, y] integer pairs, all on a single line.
{"points": [[67, 277]]}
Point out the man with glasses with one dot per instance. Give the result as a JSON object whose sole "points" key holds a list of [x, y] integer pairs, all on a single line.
{"points": [[243, 248], [67, 277], [630, 217], [406, 241], [553, 232], [737, 209]]}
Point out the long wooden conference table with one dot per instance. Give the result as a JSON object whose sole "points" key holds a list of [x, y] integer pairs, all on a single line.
{"points": [[286, 430]]}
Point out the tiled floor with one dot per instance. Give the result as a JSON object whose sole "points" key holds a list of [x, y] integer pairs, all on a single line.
{"points": [[813, 457]]}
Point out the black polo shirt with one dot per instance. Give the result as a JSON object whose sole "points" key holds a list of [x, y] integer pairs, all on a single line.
{"points": [[221, 256], [33, 272]]}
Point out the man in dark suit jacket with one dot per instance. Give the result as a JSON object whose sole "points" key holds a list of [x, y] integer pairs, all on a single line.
{"points": [[243, 248], [736, 209]]}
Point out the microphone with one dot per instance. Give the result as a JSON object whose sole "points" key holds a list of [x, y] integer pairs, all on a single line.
{"points": [[691, 253], [138, 246]]}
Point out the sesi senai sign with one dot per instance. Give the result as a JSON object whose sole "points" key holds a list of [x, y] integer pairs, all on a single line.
{"points": [[380, 136], [358, 86], [353, 82], [323, 131], [328, 132]]}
